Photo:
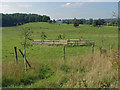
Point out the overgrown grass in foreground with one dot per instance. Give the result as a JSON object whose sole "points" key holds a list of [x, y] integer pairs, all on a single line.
{"points": [[91, 71]]}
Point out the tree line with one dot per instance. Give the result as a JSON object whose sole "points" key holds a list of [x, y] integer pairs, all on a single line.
{"points": [[20, 18], [94, 22]]}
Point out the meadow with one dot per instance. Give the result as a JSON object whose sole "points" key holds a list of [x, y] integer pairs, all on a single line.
{"points": [[80, 69]]}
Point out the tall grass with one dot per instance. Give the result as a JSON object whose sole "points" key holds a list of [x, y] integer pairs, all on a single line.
{"points": [[88, 71], [15, 75], [92, 71]]}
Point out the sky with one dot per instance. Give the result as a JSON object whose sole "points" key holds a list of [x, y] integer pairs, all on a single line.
{"points": [[63, 10], [60, 0]]}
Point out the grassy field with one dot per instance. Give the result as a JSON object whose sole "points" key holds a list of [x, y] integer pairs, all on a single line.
{"points": [[49, 70]]}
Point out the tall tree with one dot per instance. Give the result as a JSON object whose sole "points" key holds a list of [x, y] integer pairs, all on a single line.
{"points": [[20, 18], [76, 23]]}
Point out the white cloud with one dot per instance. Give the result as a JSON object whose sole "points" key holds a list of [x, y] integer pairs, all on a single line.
{"points": [[74, 5], [67, 4]]}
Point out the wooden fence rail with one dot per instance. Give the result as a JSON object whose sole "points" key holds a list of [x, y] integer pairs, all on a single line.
{"points": [[69, 42], [26, 59]]}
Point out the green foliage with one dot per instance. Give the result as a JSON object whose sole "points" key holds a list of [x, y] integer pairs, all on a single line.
{"points": [[43, 36], [105, 83], [68, 22], [65, 68], [26, 34], [45, 72], [63, 81], [61, 36], [79, 21], [84, 83], [53, 85], [76, 24], [45, 18], [26, 80], [19, 18], [89, 23], [22, 78], [7, 82], [113, 22], [99, 22], [49, 21], [54, 21], [96, 23]]}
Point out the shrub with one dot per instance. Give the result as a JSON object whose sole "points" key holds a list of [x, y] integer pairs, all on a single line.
{"points": [[63, 81], [76, 24], [45, 72], [65, 68]]}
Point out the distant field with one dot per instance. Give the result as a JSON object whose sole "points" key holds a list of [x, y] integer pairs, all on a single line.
{"points": [[11, 37], [52, 55]]}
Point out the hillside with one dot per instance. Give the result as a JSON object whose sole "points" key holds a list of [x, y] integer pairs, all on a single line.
{"points": [[49, 70]]}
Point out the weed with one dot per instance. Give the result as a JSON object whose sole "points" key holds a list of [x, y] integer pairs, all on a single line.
{"points": [[65, 68]]}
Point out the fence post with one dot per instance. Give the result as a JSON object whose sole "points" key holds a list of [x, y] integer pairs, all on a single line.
{"points": [[67, 42], [63, 52], [53, 42], [16, 57], [77, 43], [92, 48]]}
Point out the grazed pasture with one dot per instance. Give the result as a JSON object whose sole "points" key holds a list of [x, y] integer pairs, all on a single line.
{"points": [[56, 72]]}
